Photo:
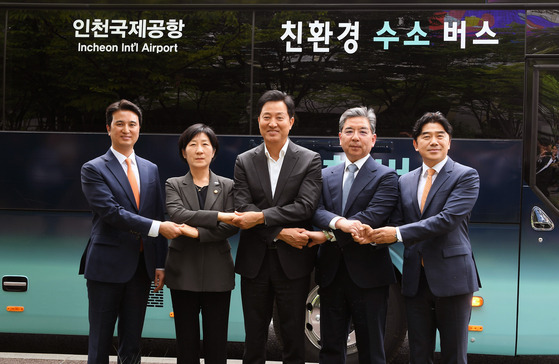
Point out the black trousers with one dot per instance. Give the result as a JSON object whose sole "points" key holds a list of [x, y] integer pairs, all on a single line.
{"points": [[258, 297], [214, 306], [125, 302], [426, 314], [342, 301]]}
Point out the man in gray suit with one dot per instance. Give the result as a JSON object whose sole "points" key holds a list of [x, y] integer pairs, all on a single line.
{"points": [[439, 274], [277, 189]]}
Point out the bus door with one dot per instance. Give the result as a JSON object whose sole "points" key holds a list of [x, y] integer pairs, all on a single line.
{"points": [[538, 317]]}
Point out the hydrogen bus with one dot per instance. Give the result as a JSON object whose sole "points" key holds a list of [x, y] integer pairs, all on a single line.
{"points": [[491, 67]]}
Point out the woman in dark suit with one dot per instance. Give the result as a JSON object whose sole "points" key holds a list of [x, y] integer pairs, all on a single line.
{"points": [[199, 268]]}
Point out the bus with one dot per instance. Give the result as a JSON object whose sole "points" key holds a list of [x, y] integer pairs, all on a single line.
{"points": [[491, 67]]}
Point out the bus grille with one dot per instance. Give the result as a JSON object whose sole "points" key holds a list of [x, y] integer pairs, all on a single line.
{"points": [[155, 299]]}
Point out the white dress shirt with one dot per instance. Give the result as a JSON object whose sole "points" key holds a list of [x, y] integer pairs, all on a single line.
{"points": [[154, 229], [274, 167]]}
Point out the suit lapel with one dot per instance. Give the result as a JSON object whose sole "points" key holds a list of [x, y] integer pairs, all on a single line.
{"points": [[365, 175], [334, 181], [116, 169], [214, 190], [189, 192], [289, 162], [443, 175], [261, 168], [412, 196], [143, 171]]}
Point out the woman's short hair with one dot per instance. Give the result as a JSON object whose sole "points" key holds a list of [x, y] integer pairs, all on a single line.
{"points": [[194, 130]]}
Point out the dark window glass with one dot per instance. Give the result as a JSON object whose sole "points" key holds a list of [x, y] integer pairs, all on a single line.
{"points": [[54, 85], [479, 87], [217, 73], [547, 163]]}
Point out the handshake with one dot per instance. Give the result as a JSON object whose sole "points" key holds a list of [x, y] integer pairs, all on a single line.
{"points": [[296, 237], [361, 233], [244, 220], [364, 234], [171, 230]]}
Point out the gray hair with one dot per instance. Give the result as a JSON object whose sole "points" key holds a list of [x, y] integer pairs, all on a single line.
{"points": [[360, 111]]}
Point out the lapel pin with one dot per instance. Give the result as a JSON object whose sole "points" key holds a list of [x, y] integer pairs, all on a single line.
{"points": [[216, 191]]}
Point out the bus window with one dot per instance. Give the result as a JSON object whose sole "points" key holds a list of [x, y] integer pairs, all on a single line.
{"points": [[547, 162]]}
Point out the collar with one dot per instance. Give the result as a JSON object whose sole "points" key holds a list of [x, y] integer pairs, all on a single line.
{"points": [[437, 167], [359, 163], [121, 157], [281, 153]]}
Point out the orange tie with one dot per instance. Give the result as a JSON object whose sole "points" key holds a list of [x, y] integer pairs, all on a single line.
{"points": [[428, 183], [135, 191], [133, 182]]}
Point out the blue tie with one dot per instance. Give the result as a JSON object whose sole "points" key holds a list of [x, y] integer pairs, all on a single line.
{"points": [[347, 184]]}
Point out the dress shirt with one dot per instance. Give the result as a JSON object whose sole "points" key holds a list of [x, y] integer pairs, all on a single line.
{"points": [[274, 167], [359, 163], [422, 180], [154, 230]]}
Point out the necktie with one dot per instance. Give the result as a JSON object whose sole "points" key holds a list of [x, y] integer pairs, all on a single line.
{"points": [[135, 190], [133, 182], [428, 183], [352, 168]]}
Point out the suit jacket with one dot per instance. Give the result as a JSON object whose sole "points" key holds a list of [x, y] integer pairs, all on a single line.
{"points": [[439, 235], [119, 227], [293, 205], [205, 263], [371, 200]]}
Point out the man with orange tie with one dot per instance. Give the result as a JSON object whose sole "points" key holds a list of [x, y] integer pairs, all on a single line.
{"points": [[439, 274], [127, 247]]}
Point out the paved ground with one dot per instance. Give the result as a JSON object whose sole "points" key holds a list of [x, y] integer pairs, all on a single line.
{"points": [[46, 349], [26, 358]]}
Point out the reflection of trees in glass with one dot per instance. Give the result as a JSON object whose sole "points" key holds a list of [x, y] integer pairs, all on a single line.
{"points": [[51, 86], [480, 88], [548, 113], [542, 37], [547, 163]]}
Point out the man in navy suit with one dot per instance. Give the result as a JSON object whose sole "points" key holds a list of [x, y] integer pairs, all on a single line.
{"points": [[440, 274], [354, 278], [127, 247], [277, 188]]}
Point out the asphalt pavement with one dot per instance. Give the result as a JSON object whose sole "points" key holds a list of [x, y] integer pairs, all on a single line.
{"points": [[15, 349], [38, 358]]}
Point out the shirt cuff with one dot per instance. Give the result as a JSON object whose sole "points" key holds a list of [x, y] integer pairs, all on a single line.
{"points": [[154, 230], [332, 224], [399, 236]]}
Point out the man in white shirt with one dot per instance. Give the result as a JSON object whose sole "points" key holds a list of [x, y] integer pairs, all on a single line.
{"points": [[277, 188]]}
